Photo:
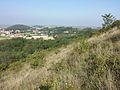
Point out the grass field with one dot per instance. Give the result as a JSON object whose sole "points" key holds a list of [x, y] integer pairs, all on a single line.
{"points": [[2, 38]]}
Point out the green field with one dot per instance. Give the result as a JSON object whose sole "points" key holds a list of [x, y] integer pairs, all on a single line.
{"points": [[3, 38]]}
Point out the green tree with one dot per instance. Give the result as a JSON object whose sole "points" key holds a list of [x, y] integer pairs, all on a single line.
{"points": [[108, 20], [116, 24]]}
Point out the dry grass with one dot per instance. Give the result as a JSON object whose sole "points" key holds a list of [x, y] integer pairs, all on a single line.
{"points": [[28, 78], [105, 36]]}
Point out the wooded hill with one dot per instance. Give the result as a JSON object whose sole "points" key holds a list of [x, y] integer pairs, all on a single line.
{"points": [[18, 27]]}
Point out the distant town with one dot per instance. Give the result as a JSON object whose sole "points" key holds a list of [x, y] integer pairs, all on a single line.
{"points": [[38, 32], [31, 33]]}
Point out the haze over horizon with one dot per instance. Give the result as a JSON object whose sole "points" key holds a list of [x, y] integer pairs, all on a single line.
{"points": [[57, 12]]}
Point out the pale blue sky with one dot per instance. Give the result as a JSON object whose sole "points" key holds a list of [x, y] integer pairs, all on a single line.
{"points": [[57, 12]]}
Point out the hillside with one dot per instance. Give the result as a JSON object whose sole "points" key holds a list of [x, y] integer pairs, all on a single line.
{"points": [[88, 64], [18, 27]]}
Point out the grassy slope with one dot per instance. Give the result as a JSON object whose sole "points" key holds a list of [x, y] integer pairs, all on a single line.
{"points": [[27, 75], [87, 65]]}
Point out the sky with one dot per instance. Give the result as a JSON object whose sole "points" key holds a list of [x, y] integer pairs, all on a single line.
{"points": [[57, 12]]}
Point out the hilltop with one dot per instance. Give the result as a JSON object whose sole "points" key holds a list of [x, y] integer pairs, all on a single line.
{"points": [[85, 64], [18, 27]]}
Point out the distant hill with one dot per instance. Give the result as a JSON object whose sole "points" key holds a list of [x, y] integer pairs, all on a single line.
{"points": [[4, 26], [38, 26], [18, 27]]}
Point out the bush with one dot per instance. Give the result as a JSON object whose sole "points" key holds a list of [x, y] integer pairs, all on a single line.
{"points": [[116, 24], [3, 67], [18, 49], [45, 87], [34, 64]]}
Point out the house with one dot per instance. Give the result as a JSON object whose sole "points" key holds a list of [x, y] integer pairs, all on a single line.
{"points": [[44, 37]]}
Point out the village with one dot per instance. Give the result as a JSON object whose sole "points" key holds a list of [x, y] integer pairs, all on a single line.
{"points": [[28, 34], [37, 32]]}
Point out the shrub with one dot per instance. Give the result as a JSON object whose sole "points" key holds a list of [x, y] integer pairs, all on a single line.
{"points": [[34, 64], [116, 24], [44, 87], [3, 67]]}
